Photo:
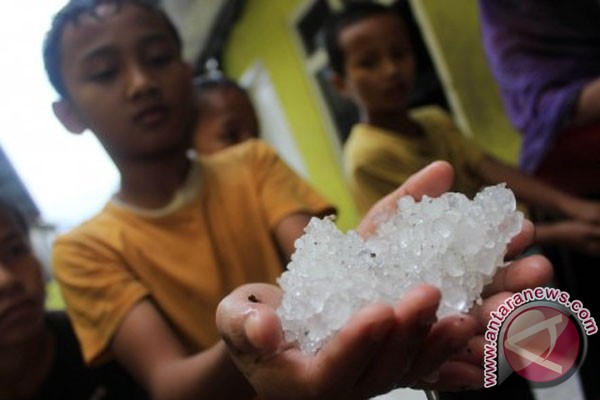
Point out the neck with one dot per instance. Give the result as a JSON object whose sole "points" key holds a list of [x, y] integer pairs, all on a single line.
{"points": [[395, 121], [24, 366], [152, 183]]}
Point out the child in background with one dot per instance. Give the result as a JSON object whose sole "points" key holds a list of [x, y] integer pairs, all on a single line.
{"points": [[142, 280], [373, 64], [40, 357], [226, 115]]}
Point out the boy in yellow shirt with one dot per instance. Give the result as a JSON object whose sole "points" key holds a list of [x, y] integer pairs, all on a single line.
{"points": [[371, 56], [142, 280]]}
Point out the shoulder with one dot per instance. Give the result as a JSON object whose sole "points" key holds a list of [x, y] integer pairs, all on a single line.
{"points": [[101, 236], [106, 219], [253, 156], [368, 144], [247, 150], [438, 124], [365, 138], [106, 225], [432, 114]]}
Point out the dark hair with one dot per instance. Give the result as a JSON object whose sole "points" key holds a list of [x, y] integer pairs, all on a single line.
{"points": [[208, 82], [10, 209], [70, 13], [353, 12]]}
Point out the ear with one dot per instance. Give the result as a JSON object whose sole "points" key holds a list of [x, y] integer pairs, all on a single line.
{"points": [[67, 115], [339, 83]]}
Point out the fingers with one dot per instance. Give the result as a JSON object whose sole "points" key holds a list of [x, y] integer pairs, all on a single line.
{"points": [[352, 350], [247, 321], [417, 347], [414, 316], [447, 338], [474, 352], [527, 272], [455, 376], [521, 241], [433, 180]]}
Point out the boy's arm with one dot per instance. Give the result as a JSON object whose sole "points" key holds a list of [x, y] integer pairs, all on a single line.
{"points": [[149, 349], [579, 235], [588, 104], [535, 193]]}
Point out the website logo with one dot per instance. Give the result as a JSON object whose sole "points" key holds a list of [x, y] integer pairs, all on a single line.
{"points": [[539, 334]]}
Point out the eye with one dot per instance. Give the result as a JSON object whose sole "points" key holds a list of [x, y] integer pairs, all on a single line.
{"points": [[367, 62], [104, 75], [161, 59], [159, 53], [14, 251], [230, 137]]}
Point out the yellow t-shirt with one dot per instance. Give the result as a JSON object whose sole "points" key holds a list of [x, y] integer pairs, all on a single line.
{"points": [[216, 235], [377, 161]]}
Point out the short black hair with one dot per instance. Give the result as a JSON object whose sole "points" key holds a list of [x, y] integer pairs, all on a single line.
{"points": [[70, 14], [352, 12], [9, 209], [208, 82]]}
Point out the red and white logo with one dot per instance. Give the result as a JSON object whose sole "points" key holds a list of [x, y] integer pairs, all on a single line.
{"points": [[541, 334], [542, 344]]}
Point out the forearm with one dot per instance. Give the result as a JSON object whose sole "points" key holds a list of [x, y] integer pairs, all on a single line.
{"points": [[148, 348], [548, 234], [588, 104], [208, 375], [527, 189]]}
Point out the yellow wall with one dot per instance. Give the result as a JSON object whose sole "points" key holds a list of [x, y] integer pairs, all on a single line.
{"points": [[264, 33], [451, 30]]}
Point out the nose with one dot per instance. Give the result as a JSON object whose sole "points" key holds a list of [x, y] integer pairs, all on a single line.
{"points": [[140, 82], [7, 278], [391, 67]]}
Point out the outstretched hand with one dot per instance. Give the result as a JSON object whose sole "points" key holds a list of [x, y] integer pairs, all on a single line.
{"points": [[381, 347]]}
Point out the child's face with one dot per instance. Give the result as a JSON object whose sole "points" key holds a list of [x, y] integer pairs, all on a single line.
{"points": [[127, 82], [379, 63], [21, 285], [226, 117]]}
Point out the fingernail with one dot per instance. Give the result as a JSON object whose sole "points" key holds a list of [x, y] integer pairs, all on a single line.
{"points": [[250, 324]]}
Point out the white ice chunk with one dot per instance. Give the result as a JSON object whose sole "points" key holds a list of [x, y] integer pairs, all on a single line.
{"points": [[451, 242]]}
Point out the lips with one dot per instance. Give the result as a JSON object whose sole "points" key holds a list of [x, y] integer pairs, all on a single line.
{"points": [[152, 116], [395, 90], [15, 312]]}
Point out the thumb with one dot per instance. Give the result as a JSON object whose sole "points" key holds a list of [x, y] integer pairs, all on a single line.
{"points": [[247, 321], [433, 181]]}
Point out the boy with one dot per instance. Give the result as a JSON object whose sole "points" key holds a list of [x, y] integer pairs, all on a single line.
{"points": [[39, 353], [142, 279], [372, 61], [226, 115]]}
